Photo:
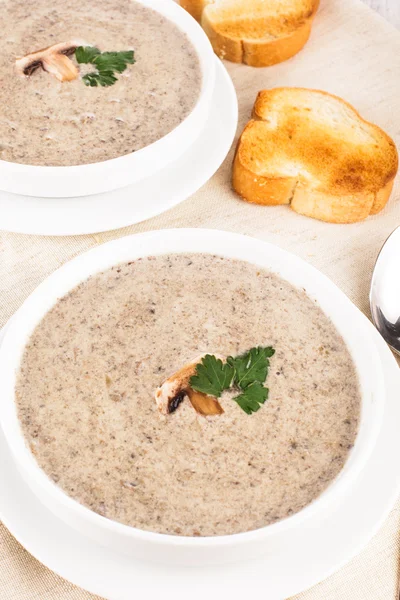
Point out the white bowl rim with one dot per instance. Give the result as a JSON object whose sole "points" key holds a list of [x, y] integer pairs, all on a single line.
{"points": [[206, 57], [25, 320]]}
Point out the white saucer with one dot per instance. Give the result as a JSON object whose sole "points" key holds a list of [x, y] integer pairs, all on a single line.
{"points": [[319, 550], [142, 200]]}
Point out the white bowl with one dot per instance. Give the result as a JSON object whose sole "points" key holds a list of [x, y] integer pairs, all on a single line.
{"points": [[174, 549], [84, 180]]}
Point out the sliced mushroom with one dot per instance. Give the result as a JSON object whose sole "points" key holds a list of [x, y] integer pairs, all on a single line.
{"points": [[203, 404], [53, 59], [176, 388], [173, 391]]}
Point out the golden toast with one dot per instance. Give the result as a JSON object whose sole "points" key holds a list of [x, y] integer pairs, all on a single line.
{"points": [[259, 33], [313, 151]]}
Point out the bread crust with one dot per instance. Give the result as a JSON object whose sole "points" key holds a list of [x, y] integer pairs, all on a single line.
{"points": [[194, 7], [329, 208], [261, 190], [382, 197], [257, 53], [305, 196]]}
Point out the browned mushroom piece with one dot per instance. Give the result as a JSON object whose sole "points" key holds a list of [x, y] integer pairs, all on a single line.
{"points": [[176, 388], [53, 59], [203, 404]]}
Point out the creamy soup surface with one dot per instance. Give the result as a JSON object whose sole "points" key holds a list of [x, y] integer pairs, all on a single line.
{"points": [[47, 122], [85, 397]]}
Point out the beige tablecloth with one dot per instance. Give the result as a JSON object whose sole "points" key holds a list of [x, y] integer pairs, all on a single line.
{"points": [[355, 54]]}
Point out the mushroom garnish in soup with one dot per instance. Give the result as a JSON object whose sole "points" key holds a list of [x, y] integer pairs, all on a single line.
{"points": [[84, 81], [189, 394]]}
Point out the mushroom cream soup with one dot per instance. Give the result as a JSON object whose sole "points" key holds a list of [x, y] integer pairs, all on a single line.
{"points": [[91, 370], [54, 111]]}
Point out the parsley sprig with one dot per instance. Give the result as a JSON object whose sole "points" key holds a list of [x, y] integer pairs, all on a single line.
{"points": [[251, 366], [246, 373], [106, 63], [252, 397], [212, 376]]}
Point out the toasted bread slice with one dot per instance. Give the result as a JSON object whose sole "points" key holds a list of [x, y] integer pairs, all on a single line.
{"points": [[259, 33], [313, 151]]}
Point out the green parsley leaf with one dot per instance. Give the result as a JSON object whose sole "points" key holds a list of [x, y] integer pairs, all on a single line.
{"points": [[212, 376], [114, 61], [251, 399], [247, 372], [86, 54], [104, 78], [106, 63], [251, 367]]}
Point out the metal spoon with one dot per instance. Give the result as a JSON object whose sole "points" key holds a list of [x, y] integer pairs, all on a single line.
{"points": [[384, 297]]}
